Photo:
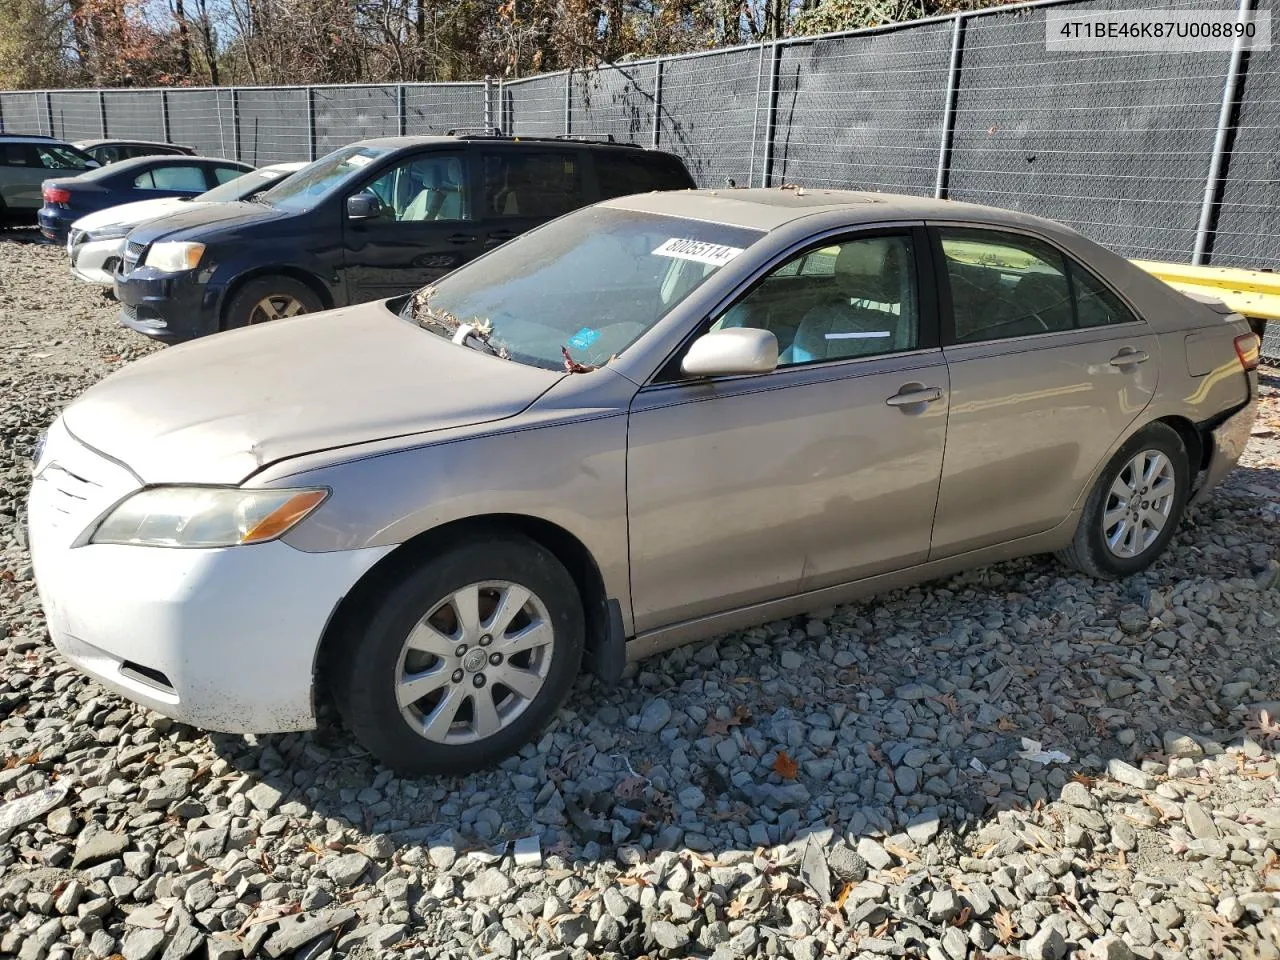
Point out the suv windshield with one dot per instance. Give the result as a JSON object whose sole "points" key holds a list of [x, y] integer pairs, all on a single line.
{"points": [[582, 288], [308, 186], [242, 186], [57, 157]]}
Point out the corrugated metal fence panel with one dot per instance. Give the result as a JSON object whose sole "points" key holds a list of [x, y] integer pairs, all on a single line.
{"points": [[23, 113], [438, 108], [344, 114], [1248, 233], [1115, 144], [614, 101], [273, 125], [76, 115], [535, 108], [203, 119], [135, 114], [709, 113], [863, 112]]}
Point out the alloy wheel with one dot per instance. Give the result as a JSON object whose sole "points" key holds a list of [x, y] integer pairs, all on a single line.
{"points": [[475, 662], [276, 307], [1138, 504]]}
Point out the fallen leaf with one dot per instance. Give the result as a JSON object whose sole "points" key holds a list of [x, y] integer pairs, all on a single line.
{"points": [[784, 766], [1004, 723], [844, 895], [1006, 933]]}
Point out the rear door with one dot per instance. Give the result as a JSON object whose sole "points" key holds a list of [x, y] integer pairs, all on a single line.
{"points": [[1048, 369], [522, 187], [426, 227]]}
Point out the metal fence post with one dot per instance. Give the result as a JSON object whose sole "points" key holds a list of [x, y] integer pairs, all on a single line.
{"points": [[949, 109], [657, 102], [102, 112], [502, 107], [402, 110], [1221, 153], [771, 113], [48, 110], [568, 102], [488, 105], [164, 116], [235, 121], [311, 123]]}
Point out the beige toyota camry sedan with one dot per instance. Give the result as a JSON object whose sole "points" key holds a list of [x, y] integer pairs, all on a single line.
{"points": [[650, 421]]}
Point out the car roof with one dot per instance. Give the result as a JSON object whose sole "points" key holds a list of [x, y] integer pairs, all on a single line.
{"points": [[772, 208], [30, 138], [400, 143], [85, 144], [156, 160]]}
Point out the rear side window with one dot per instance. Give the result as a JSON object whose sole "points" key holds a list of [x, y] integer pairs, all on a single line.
{"points": [[1096, 306], [227, 174], [173, 178], [1005, 285], [532, 183], [19, 155], [621, 173]]}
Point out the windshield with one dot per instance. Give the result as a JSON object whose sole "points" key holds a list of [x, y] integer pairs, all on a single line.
{"points": [[581, 289], [57, 157], [308, 186], [243, 186]]}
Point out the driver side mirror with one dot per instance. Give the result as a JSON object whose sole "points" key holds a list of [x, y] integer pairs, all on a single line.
{"points": [[363, 206], [732, 352]]}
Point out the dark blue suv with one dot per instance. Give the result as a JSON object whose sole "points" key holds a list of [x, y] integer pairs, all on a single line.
{"points": [[371, 220]]}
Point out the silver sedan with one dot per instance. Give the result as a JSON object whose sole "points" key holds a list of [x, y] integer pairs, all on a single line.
{"points": [[651, 421]]}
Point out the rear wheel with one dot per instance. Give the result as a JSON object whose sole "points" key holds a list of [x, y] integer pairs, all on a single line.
{"points": [[264, 299], [1133, 510], [463, 660]]}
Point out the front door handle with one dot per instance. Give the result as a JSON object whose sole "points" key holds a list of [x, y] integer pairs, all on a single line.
{"points": [[913, 394], [462, 238], [1129, 358]]}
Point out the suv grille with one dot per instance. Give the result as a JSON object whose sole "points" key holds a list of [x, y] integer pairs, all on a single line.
{"points": [[132, 254]]}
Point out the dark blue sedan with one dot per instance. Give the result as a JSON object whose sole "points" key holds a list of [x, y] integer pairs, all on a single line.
{"points": [[67, 199]]}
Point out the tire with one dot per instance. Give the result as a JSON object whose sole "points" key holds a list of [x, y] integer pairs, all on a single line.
{"points": [[287, 296], [1136, 545], [446, 731]]}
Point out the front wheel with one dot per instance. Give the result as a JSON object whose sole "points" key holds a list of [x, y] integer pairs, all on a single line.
{"points": [[264, 299], [1133, 510], [464, 659]]}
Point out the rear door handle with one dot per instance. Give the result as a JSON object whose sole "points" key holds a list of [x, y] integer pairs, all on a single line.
{"points": [[1129, 358], [915, 395], [497, 237], [462, 238]]}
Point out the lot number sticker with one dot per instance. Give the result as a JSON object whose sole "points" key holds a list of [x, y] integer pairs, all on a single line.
{"points": [[715, 254]]}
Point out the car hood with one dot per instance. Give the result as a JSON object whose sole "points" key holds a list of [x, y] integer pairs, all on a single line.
{"points": [[194, 223], [138, 212], [218, 409]]}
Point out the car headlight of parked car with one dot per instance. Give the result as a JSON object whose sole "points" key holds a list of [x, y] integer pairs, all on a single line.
{"points": [[108, 233], [173, 256], [204, 516]]}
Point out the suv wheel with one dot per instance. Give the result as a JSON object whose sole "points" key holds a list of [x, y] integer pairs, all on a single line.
{"points": [[270, 298], [1134, 508], [463, 660]]}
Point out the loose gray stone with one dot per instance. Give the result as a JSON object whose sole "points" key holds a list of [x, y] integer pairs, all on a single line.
{"points": [[486, 884], [346, 869], [1130, 775], [142, 944], [1046, 944], [95, 844], [1198, 821], [668, 935], [655, 716]]}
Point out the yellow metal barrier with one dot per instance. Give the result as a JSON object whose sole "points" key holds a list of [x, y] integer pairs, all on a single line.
{"points": [[1250, 293]]}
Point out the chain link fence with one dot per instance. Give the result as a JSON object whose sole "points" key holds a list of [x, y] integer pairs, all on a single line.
{"points": [[1157, 155]]}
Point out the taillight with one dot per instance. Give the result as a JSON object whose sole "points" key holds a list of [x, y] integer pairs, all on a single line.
{"points": [[56, 195], [1248, 347]]}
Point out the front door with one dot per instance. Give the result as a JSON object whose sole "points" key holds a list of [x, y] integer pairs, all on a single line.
{"points": [[1048, 370], [424, 230], [747, 489]]}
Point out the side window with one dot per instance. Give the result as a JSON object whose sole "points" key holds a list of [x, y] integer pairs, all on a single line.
{"points": [[179, 178], [19, 155], [531, 183], [858, 299], [424, 188], [226, 174], [1096, 306], [621, 172], [1005, 285], [145, 181]]}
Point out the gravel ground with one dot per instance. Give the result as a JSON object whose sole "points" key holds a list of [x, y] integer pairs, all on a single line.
{"points": [[852, 783]]}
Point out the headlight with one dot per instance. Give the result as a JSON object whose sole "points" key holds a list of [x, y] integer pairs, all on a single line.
{"points": [[109, 233], [37, 452], [173, 256], [205, 516]]}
